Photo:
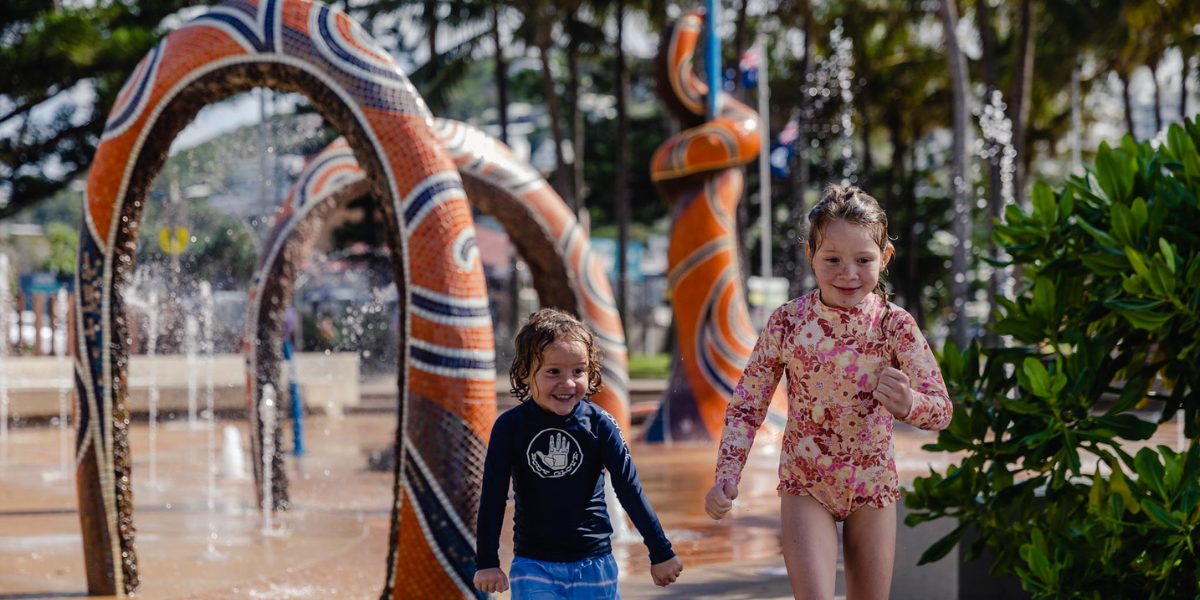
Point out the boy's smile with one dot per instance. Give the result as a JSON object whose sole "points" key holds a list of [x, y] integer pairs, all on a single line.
{"points": [[561, 380]]}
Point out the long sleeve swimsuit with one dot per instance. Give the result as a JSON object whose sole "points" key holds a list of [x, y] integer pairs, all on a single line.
{"points": [[837, 444], [557, 464]]}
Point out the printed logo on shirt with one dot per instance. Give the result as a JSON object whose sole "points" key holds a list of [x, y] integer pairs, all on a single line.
{"points": [[554, 453], [620, 434]]}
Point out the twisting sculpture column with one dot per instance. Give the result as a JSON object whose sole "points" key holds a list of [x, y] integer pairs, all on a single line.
{"points": [[699, 173], [565, 272], [446, 371]]}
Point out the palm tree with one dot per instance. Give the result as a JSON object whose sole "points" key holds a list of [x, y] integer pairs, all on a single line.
{"points": [[622, 195], [800, 173], [586, 40], [959, 287], [1021, 95], [994, 200], [537, 31], [501, 71], [470, 25]]}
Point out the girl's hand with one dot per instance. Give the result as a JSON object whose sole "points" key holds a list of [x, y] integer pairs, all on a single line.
{"points": [[666, 572], [492, 580], [719, 500], [894, 392]]}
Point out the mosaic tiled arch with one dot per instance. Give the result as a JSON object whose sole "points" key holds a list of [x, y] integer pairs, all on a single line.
{"points": [[446, 371], [699, 173], [565, 272]]}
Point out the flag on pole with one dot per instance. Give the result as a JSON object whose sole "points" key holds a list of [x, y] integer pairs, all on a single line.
{"points": [[749, 63], [781, 154]]}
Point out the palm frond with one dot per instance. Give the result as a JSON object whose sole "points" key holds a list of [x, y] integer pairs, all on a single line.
{"points": [[438, 78]]}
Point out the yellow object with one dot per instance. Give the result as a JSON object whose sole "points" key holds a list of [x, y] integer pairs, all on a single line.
{"points": [[173, 244]]}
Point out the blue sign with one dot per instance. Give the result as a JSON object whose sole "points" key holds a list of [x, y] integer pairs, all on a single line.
{"points": [[40, 282], [605, 250]]}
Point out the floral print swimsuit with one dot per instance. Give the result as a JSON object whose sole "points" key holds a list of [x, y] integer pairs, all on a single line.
{"points": [[837, 446]]}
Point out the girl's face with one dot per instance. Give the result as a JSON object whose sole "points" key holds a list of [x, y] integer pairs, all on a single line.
{"points": [[847, 264], [561, 380]]}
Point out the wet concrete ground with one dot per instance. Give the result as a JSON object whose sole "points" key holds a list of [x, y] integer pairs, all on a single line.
{"points": [[334, 543]]}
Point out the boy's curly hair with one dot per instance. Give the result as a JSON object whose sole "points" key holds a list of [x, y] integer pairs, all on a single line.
{"points": [[543, 328]]}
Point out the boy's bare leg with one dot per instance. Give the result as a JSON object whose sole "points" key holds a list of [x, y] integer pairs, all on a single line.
{"points": [[810, 547], [868, 551]]}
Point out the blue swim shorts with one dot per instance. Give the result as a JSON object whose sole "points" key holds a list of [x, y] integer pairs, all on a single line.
{"points": [[590, 579]]}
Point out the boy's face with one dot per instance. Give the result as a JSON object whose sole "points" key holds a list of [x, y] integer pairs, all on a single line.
{"points": [[847, 264], [561, 380]]}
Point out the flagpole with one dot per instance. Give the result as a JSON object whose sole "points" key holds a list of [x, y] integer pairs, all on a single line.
{"points": [[764, 151], [712, 57]]}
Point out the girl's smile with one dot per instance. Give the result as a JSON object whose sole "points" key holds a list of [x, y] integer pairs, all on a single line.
{"points": [[847, 264]]}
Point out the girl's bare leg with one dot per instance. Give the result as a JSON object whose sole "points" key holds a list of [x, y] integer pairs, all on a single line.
{"points": [[810, 547], [868, 551]]}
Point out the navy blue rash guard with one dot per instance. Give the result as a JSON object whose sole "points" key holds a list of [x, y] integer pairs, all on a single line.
{"points": [[556, 464]]}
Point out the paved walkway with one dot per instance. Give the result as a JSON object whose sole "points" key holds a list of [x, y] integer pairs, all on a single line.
{"points": [[758, 579], [338, 534]]}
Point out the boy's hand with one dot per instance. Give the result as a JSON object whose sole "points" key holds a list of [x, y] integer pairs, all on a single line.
{"points": [[492, 580], [666, 572], [719, 499], [894, 392]]}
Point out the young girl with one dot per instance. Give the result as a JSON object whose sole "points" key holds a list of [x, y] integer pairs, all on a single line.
{"points": [[854, 364], [555, 449]]}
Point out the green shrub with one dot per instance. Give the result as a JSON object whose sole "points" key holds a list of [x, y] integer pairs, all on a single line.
{"points": [[1108, 312], [649, 366]]}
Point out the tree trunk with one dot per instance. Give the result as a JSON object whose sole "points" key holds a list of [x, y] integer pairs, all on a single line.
{"points": [[501, 76], [1152, 62], [1183, 91], [914, 281], [739, 44], [891, 199], [1021, 96], [995, 201], [960, 224], [575, 118], [800, 175], [561, 183], [622, 184], [868, 165], [1128, 103], [431, 27]]}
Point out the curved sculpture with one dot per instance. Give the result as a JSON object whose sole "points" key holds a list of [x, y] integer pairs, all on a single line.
{"points": [[446, 370], [565, 273], [699, 173]]}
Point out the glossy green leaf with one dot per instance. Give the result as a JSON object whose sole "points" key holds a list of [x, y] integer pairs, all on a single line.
{"points": [[1045, 209], [1124, 228], [1155, 511], [1150, 471], [1168, 253], [1149, 321], [1139, 213], [1137, 261], [1039, 377], [943, 546]]}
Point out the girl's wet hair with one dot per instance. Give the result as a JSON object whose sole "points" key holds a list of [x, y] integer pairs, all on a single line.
{"points": [[543, 328], [854, 206]]}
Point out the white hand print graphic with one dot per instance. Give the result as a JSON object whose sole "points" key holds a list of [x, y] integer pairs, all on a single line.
{"points": [[557, 457], [554, 453]]}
